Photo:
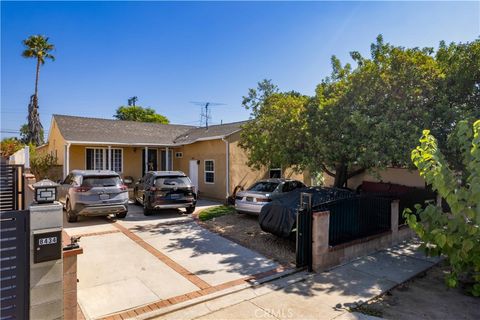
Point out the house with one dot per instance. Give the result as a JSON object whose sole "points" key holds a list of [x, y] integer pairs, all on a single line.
{"points": [[211, 157]]}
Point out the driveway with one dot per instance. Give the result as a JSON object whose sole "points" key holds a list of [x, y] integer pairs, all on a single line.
{"points": [[141, 263]]}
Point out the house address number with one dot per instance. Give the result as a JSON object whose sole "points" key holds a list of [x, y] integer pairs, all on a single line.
{"points": [[47, 246], [46, 241]]}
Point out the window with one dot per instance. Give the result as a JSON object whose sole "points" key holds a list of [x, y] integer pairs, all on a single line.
{"points": [[275, 173], [101, 181], [179, 155], [209, 171], [167, 166], [116, 160], [264, 186], [98, 159]]}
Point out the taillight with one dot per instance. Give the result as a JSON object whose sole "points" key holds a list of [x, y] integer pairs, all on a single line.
{"points": [[263, 200], [123, 187], [81, 189], [153, 189]]}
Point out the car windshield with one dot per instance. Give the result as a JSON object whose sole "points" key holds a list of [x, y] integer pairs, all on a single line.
{"points": [[264, 186], [172, 182], [101, 181]]}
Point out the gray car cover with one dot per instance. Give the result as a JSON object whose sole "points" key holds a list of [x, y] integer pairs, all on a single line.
{"points": [[279, 216]]}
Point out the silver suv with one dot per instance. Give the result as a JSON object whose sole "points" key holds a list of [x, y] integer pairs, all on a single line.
{"points": [[93, 193]]}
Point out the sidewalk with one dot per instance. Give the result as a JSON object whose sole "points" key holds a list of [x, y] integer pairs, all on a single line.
{"points": [[327, 295]]}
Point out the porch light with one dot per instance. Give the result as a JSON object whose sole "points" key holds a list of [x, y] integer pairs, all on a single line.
{"points": [[45, 191]]}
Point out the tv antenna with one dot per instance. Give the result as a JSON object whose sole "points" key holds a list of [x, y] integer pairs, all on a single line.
{"points": [[132, 101], [205, 113]]}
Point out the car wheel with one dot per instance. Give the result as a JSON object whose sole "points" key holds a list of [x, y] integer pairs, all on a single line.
{"points": [[121, 215], [146, 211], [190, 210], [71, 215]]}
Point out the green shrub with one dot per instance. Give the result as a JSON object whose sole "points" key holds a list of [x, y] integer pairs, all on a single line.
{"points": [[454, 234], [41, 165]]}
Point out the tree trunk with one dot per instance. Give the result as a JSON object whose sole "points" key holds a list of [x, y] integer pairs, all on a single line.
{"points": [[341, 175], [36, 79]]}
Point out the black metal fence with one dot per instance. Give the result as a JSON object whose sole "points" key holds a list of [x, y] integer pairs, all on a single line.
{"points": [[12, 195], [15, 264], [410, 199], [356, 217]]}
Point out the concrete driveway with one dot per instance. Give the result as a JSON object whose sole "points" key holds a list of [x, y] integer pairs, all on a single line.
{"points": [[134, 265]]}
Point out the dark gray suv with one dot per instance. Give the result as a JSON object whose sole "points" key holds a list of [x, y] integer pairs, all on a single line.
{"points": [[165, 190], [93, 193]]}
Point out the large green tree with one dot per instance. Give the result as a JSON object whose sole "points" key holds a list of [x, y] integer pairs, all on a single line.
{"points": [[38, 48], [137, 113], [366, 117]]}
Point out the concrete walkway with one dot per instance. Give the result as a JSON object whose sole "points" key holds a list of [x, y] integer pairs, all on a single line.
{"points": [[138, 264], [328, 295]]}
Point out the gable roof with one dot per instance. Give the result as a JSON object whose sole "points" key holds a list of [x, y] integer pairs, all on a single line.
{"points": [[103, 131], [213, 132], [95, 130]]}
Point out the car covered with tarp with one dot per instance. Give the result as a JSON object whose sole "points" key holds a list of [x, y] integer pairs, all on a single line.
{"points": [[279, 216]]}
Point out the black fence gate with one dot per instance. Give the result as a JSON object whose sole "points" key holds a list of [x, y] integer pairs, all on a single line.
{"points": [[12, 196], [14, 264], [304, 233]]}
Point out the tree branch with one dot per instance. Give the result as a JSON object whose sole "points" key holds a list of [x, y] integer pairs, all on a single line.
{"points": [[324, 168]]}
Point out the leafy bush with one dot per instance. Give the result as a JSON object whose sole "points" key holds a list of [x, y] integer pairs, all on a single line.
{"points": [[454, 234], [9, 146], [41, 165]]}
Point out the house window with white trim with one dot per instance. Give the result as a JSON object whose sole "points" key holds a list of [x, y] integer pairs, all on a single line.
{"points": [[98, 158], [209, 171], [117, 159]]}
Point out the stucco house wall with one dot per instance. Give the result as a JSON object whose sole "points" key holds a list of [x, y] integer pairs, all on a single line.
{"points": [[400, 176]]}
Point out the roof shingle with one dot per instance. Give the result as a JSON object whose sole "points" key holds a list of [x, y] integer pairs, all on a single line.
{"points": [[95, 130]]}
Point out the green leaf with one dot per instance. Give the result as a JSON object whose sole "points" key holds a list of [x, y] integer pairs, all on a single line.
{"points": [[467, 245], [440, 239]]}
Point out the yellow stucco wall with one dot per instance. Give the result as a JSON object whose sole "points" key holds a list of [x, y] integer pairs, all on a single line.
{"points": [[205, 150], [132, 159], [240, 173], [390, 175], [55, 144]]}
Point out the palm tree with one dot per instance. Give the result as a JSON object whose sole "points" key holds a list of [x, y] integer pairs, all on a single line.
{"points": [[37, 47]]}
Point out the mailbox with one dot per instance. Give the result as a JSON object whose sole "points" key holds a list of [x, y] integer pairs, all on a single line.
{"points": [[47, 246]]}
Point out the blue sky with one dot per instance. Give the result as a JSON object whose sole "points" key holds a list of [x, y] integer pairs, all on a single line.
{"points": [[171, 53]]}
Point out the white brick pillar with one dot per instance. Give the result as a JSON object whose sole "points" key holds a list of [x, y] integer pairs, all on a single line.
{"points": [[46, 278]]}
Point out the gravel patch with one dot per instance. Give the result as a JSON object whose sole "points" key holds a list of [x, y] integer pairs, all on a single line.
{"points": [[245, 230], [423, 298]]}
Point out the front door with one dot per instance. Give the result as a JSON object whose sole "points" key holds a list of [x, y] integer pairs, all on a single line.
{"points": [[152, 160], [193, 173]]}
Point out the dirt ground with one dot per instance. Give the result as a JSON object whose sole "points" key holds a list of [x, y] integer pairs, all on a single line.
{"points": [[425, 297], [244, 229]]}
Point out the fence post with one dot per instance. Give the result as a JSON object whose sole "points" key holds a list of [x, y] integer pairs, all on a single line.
{"points": [[320, 236], [394, 215]]}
